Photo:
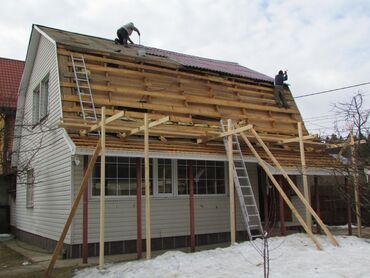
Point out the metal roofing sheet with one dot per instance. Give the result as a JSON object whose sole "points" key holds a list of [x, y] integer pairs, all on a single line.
{"points": [[10, 77]]}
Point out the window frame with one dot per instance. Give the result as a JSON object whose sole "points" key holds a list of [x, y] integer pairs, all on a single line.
{"points": [[30, 188], [42, 101], [174, 181]]}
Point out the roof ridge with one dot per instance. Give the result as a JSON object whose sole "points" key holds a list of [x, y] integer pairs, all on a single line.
{"points": [[11, 59]]}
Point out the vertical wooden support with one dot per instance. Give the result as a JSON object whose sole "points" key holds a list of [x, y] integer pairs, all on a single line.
{"points": [[72, 213], [231, 183], [317, 200], [262, 184], [147, 188], [138, 209], [85, 215], [281, 191], [306, 189], [281, 208], [349, 204], [191, 206], [356, 185], [102, 190], [293, 186]]}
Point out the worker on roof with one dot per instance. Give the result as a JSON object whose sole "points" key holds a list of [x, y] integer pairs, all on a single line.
{"points": [[125, 32], [279, 88]]}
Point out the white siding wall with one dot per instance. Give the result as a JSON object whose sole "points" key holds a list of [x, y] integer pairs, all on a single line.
{"points": [[48, 154], [169, 216]]}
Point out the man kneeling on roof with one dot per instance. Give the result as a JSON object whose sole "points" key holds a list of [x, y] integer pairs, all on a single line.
{"points": [[125, 32], [279, 88]]}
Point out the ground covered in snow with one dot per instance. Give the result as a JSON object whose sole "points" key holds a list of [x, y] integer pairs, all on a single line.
{"points": [[291, 256]]}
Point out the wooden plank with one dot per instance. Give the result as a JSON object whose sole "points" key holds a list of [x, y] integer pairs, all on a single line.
{"points": [[224, 134], [231, 181], [108, 120], [304, 175], [297, 139], [72, 213], [187, 98], [142, 128], [281, 191], [296, 190], [147, 189], [102, 191]]}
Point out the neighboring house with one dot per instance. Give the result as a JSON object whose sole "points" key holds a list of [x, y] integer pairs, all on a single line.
{"points": [[10, 77], [195, 92]]}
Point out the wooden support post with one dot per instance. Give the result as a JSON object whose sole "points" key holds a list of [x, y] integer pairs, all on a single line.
{"points": [[72, 213], [138, 209], [281, 208], [85, 216], [231, 181], [356, 184], [349, 204], [294, 187], [147, 188], [306, 189], [102, 190], [281, 191], [191, 206], [317, 199]]}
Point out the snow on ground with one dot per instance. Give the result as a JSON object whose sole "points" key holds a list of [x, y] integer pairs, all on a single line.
{"points": [[290, 256]]}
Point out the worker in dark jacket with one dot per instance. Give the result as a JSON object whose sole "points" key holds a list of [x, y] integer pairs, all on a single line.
{"points": [[279, 88], [125, 32]]}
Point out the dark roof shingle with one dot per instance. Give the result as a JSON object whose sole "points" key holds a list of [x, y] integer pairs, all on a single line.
{"points": [[10, 77]]}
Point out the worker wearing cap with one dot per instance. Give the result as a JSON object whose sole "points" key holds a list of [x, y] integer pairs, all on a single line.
{"points": [[125, 32], [279, 89]]}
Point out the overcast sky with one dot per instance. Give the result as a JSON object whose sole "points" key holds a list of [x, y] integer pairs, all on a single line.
{"points": [[323, 44]]}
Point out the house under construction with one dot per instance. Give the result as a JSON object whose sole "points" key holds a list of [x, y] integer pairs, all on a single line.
{"points": [[197, 127]]}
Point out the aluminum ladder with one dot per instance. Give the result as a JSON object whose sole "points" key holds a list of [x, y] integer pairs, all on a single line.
{"points": [[83, 88], [243, 188]]}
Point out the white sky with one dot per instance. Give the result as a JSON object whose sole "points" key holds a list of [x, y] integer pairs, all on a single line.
{"points": [[323, 44]]}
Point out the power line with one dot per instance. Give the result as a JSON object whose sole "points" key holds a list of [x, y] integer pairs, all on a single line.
{"points": [[333, 90]]}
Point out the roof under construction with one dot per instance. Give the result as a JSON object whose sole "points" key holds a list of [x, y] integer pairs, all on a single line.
{"points": [[193, 92]]}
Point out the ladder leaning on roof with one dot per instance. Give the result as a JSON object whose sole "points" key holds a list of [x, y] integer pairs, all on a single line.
{"points": [[244, 190], [83, 88]]}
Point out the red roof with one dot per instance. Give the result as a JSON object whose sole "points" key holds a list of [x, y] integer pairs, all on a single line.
{"points": [[209, 64], [10, 76]]}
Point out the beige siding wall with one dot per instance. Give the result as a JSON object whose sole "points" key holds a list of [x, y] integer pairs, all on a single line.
{"points": [[44, 149], [169, 215]]}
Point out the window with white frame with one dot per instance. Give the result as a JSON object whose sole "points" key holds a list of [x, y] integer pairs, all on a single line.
{"points": [[164, 178], [120, 176], [40, 101], [30, 188], [209, 177]]}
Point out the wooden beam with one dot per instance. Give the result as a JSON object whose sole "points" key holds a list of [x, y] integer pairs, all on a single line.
{"points": [[224, 134], [108, 120], [281, 191], [294, 187], [138, 208], [102, 191], [297, 139], [72, 213], [147, 188], [142, 128], [306, 189], [231, 181], [281, 208], [85, 218], [191, 206]]}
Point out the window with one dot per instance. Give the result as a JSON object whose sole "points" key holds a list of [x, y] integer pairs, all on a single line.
{"points": [[40, 101], [120, 177], [209, 177], [29, 188], [164, 176]]}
